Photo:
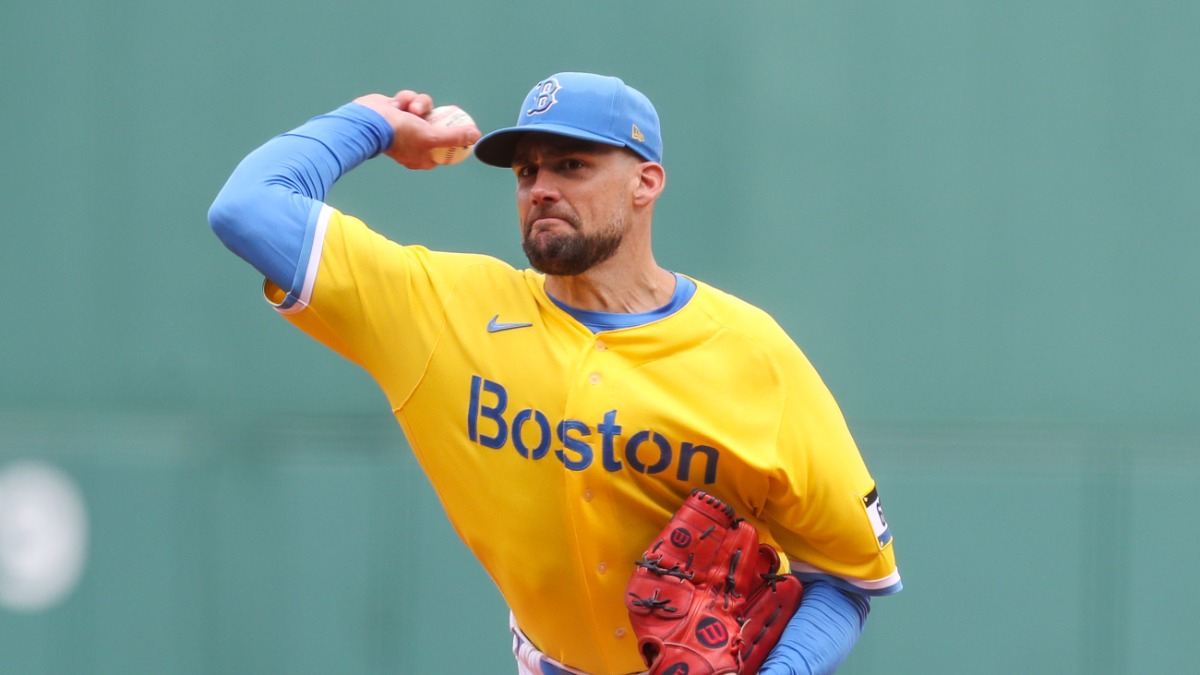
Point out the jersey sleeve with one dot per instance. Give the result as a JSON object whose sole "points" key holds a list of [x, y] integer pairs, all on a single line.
{"points": [[377, 303], [369, 299], [824, 505]]}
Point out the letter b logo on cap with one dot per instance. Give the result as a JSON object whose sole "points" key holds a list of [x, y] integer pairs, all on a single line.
{"points": [[542, 96]]}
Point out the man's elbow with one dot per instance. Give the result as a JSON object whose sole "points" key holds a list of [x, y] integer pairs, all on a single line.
{"points": [[227, 218]]}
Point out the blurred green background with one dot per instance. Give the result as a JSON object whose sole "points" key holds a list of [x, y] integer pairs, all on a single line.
{"points": [[979, 220]]}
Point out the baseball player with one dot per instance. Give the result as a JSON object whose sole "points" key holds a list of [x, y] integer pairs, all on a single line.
{"points": [[564, 412]]}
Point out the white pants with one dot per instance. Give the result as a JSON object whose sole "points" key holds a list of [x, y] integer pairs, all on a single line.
{"points": [[530, 660]]}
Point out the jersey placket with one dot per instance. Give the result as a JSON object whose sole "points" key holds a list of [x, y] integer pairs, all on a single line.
{"points": [[588, 491]]}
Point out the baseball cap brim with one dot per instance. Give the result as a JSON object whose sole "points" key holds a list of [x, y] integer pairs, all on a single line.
{"points": [[498, 147]]}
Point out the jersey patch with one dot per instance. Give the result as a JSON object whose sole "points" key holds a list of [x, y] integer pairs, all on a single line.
{"points": [[875, 514]]}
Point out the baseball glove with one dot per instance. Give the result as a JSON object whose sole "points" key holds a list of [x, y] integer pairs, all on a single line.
{"points": [[706, 599]]}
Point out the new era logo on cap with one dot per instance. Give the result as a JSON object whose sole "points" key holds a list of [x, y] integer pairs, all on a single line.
{"points": [[580, 105]]}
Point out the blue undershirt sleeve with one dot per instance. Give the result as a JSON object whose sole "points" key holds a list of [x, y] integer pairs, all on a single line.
{"points": [[821, 633], [267, 210]]}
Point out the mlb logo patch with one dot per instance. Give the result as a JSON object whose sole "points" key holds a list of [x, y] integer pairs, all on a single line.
{"points": [[875, 514]]}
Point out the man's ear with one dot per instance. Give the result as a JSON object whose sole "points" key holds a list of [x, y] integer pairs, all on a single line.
{"points": [[652, 178]]}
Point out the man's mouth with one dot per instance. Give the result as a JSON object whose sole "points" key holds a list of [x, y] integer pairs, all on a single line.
{"points": [[545, 222]]}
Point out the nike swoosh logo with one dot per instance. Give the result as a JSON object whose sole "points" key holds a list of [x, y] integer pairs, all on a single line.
{"points": [[495, 326]]}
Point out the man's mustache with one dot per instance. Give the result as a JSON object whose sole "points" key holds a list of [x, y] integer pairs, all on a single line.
{"points": [[537, 214]]}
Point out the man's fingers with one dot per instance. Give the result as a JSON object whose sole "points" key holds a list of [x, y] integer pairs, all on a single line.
{"points": [[403, 98], [413, 102], [453, 137], [415, 136]]}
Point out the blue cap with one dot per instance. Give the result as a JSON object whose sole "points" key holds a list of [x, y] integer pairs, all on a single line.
{"points": [[580, 105]]}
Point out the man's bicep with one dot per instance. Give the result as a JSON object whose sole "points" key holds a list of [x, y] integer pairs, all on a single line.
{"points": [[828, 507]]}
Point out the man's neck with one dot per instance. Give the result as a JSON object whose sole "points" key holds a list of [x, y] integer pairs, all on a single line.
{"points": [[616, 290]]}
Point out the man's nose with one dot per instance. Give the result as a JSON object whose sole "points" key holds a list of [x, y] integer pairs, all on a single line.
{"points": [[544, 189]]}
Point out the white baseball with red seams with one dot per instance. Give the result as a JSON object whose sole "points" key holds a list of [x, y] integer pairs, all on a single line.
{"points": [[449, 116]]}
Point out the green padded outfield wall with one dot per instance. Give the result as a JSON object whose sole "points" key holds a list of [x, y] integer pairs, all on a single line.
{"points": [[979, 219]]}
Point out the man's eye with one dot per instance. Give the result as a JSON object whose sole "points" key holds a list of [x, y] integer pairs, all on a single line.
{"points": [[526, 171], [572, 164]]}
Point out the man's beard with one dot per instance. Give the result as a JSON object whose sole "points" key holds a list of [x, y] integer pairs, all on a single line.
{"points": [[572, 252]]}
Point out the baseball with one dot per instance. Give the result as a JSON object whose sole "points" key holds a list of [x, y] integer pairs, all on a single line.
{"points": [[449, 116]]}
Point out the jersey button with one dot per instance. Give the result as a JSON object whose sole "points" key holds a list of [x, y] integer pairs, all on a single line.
{"points": [[600, 345], [594, 378], [587, 495], [602, 568], [620, 632]]}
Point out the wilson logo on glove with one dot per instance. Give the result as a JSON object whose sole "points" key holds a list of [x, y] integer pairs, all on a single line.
{"points": [[712, 633], [681, 538], [711, 602]]}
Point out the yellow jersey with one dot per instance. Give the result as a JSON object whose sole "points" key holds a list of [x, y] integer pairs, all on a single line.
{"points": [[559, 453]]}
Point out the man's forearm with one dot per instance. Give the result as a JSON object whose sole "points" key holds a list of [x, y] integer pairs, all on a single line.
{"points": [[822, 632], [266, 210]]}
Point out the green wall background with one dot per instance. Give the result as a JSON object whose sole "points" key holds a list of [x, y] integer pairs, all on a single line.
{"points": [[978, 219]]}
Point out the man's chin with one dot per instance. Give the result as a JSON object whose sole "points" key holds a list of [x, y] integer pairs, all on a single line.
{"points": [[544, 251], [566, 256], [555, 267]]}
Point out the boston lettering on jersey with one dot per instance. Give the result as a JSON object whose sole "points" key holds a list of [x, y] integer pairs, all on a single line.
{"points": [[530, 433]]}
